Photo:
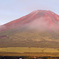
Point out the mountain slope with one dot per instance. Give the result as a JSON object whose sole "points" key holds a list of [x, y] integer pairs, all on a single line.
{"points": [[37, 29], [47, 19]]}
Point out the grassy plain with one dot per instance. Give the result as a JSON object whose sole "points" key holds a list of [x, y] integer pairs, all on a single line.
{"points": [[29, 51]]}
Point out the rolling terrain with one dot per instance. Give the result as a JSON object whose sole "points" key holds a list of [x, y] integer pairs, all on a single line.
{"points": [[29, 39]]}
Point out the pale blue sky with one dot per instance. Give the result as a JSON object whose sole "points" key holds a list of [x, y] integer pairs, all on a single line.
{"points": [[14, 9]]}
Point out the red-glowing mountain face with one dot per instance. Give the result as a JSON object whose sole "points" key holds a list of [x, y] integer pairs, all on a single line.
{"points": [[40, 20]]}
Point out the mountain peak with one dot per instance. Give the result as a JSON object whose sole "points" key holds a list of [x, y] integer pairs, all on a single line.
{"points": [[46, 13], [42, 11]]}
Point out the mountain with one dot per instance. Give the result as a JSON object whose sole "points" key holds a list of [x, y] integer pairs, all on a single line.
{"points": [[39, 19], [40, 28]]}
